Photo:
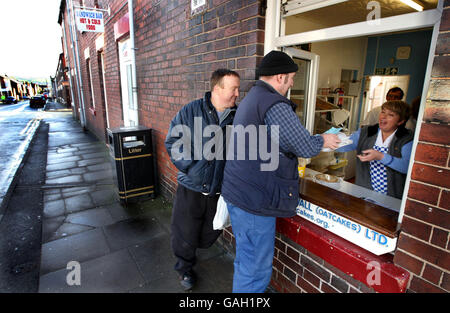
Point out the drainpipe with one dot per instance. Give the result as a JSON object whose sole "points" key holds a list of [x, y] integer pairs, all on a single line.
{"points": [[69, 75], [77, 63], [133, 55]]}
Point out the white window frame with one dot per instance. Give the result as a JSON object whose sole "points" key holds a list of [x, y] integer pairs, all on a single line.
{"points": [[276, 40], [129, 102], [91, 83], [403, 22], [102, 58], [295, 7], [313, 78]]}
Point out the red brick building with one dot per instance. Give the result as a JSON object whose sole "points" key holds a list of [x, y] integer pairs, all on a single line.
{"points": [[178, 44]]}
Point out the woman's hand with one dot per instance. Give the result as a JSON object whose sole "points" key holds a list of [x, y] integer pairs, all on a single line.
{"points": [[370, 155]]}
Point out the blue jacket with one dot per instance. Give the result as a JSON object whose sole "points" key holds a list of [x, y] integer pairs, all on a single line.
{"points": [[245, 185], [197, 172]]}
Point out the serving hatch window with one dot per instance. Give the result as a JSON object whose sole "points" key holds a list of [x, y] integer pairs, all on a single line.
{"points": [[343, 76], [346, 91]]}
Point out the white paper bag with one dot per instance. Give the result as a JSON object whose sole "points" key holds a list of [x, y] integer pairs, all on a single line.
{"points": [[222, 218]]}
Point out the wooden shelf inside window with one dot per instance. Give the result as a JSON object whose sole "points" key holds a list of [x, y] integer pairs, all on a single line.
{"points": [[358, 210]]}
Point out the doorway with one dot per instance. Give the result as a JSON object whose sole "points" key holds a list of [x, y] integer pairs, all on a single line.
{"points": [[129, 107], [376, 88]]}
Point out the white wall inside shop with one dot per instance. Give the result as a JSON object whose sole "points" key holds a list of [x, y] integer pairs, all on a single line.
{"points": [[337, 55], [334, 55]]}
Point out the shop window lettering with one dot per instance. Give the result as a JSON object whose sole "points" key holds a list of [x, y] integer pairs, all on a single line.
{"points": [[354, 232], [373, 235]]}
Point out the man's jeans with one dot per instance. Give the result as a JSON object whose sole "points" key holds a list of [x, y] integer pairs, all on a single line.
{"points": [[255, 240]]}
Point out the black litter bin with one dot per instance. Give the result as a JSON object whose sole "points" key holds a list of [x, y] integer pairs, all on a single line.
{"points": [[132, 152]]}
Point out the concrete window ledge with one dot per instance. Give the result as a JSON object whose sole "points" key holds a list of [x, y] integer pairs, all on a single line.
{"points": [[346, 256]]}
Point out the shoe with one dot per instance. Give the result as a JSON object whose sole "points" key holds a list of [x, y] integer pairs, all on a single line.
{"points": [[188, 280]]}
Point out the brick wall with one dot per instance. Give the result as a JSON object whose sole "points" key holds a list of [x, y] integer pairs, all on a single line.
{"points": [[423, 246], [111, 58], [177, 53], [95, 117], [298, 270]]}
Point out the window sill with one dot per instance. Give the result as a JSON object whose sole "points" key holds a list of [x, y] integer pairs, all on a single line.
{"points": [[339, 252], [358, 210], [347, 257]]}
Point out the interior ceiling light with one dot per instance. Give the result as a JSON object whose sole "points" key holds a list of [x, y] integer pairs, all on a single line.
{"points": [[413, 4]]}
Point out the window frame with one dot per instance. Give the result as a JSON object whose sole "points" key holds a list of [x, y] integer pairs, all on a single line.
{"points": [[313, 79], [91, 85], [276, 40]]}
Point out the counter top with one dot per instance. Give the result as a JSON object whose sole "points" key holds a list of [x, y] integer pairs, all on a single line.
{"points": [[366, 213], [386, 201]]}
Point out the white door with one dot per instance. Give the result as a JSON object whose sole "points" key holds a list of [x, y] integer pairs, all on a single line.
{"points": [[377, 87], [304, 91], [102, 61], [129, 107]]}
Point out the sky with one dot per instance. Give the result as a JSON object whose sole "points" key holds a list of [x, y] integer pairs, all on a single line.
{"points": [[30, 40]]}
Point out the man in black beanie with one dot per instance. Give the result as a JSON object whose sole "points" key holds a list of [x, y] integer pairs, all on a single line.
{"points": [[276, 62], [255, 197]]}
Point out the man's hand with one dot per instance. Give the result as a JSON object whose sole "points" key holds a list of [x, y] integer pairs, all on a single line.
{"points": [[370, 155], [330, 141]]}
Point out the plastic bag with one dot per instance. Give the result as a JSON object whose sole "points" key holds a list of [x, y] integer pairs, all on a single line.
{"points": [[222, 218]]}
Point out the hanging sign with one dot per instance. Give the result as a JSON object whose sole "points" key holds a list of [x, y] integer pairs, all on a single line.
{"points": [[89, 21], [354, 232]]}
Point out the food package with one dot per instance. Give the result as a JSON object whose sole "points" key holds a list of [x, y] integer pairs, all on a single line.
{"points": [[345, 140]]}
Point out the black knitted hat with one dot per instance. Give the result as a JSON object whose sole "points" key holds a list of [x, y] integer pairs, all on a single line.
{"points": [[276, 62]]}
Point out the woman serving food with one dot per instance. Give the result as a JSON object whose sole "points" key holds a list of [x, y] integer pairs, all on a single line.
{"points": [[383, 150]]}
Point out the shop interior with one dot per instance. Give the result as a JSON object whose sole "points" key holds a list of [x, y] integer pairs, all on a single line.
{"points": [[354, 76]]}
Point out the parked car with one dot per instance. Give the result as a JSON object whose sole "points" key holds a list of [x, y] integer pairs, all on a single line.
{"points": [[9, 100], [25, 98], [37, 101]]}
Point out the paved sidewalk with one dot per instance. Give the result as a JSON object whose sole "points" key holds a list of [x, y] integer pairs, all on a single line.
{"points": [[120, 249]]}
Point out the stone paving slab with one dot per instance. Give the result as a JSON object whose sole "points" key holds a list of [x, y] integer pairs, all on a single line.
{"points": [[96, 217], [115, 272], [79, 247], [130, 232], [119, 248]]}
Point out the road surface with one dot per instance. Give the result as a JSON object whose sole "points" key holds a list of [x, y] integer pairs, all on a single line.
{"points": [[18, 123]]}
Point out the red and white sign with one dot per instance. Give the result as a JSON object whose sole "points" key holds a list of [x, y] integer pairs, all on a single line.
{"points": [[89, 21]]}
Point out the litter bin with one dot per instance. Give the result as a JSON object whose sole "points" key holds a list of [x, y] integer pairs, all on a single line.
{"points": [[132, 152]]}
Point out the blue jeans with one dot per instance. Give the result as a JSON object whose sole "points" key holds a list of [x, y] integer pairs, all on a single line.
{"points": [[255, 240]]}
